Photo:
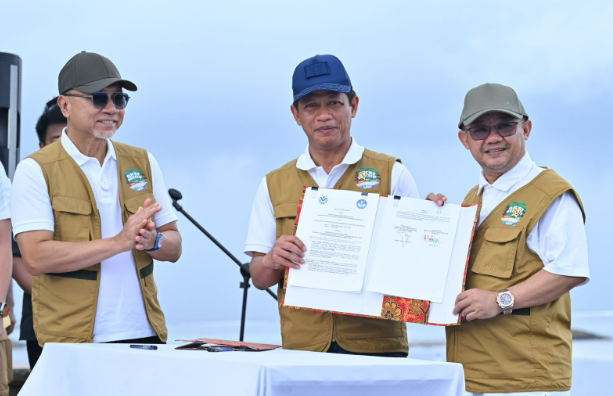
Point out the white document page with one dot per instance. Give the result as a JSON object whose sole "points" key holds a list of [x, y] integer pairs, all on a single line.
{"points": [[415, 245], [441, 313], [365, 303], [336, 227]]}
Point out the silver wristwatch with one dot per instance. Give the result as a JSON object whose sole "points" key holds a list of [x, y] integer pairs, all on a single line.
{"points": [[505, 301]]}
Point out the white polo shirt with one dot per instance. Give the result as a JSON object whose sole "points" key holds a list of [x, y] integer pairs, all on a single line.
{"points": [[121, 310], [558, 238], [5, 195], [262, 232]]}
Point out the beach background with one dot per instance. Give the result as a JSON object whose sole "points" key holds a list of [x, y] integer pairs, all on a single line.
{"points": [[213, 104]]}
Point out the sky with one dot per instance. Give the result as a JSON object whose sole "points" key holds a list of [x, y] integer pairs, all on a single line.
{"points": [[214, 94]]}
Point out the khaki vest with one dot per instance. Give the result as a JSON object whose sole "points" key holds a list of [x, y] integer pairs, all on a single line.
{"points": [[314, 331], [64, 304], [530, 350]]}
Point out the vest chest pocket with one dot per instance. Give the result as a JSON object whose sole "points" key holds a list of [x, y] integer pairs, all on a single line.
{"points": [[496, 257], [285, 214], [72, 218], [132, 204]]}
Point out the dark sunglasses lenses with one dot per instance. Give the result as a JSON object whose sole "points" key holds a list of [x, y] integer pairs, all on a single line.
{"points": [[100, 99], [505, 129]]}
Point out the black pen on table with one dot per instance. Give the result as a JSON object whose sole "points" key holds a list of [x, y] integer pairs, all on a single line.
{"points": [[150, 347]]}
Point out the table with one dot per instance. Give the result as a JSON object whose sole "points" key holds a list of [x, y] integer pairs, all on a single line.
{"points": [[116, 369]]}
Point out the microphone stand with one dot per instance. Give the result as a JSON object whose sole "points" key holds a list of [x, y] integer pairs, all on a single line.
{"points": [[176, 195]]}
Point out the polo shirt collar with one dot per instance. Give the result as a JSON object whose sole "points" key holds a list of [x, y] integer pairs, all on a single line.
{"points": [[509, 179], [305, 162], [78, 156]]}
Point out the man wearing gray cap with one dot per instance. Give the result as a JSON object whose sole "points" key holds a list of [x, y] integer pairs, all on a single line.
{"points": [[83, 209], [528, 252], [324, 106]]}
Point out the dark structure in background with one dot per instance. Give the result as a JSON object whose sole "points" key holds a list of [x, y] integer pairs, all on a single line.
{"points": [[10, 111], [10, 126]]}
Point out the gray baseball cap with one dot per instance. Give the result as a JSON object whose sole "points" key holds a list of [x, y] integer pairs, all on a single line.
{"points": [[89, 72], [487, 98]]}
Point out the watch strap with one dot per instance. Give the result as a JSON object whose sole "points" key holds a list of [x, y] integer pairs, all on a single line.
{"points": [[4, 309], [156, 246]]}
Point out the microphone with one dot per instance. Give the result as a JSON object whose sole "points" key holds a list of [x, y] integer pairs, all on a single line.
{"points": [[175, 195]]}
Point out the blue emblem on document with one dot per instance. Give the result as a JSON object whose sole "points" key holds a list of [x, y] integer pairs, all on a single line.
{"points": [[361, 204], [323, 200]]}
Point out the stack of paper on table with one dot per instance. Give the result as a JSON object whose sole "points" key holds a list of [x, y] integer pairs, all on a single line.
{"points": [[203, 343], [386, 257]]}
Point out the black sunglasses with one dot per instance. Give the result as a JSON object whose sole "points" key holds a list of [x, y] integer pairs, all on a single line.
{"points": [[100, 99], [504, 129]]}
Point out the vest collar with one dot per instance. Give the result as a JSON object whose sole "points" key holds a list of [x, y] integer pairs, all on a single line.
{"points": [[512, 177], [78, 156], [306, 163]]}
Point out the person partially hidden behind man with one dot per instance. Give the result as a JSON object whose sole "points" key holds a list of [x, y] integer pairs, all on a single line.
{"points": [[48, 128], [528, 252], [83, 208], [324, 106]]}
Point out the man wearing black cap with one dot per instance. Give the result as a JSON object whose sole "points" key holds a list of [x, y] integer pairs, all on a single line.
{"points": [[528, 252], [83, 208], [324, 106]]}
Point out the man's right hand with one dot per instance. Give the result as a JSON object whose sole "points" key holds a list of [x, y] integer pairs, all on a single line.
{"points": [[288, 251], [138, 221]]}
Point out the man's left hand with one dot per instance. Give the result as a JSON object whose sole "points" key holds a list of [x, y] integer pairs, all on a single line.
{"points": [[477, 304], [147, 237]]}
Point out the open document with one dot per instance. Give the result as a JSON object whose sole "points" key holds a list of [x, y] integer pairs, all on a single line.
{"points": [[403, 249]]}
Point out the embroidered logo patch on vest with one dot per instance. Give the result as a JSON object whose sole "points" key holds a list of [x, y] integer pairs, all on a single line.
{"points": [[514, 212], [367, 178], [136, 179]]}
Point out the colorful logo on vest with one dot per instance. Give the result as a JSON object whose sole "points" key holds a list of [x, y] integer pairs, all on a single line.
{"points": [[514, 212], [367, 178], [136, 179], [323, 200], [361, 204]]}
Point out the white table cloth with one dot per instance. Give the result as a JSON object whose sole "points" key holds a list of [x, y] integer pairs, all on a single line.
{"points": [[116, 369]]}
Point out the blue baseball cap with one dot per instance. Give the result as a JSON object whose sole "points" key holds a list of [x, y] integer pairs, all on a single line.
{"points": [[320, 73]]}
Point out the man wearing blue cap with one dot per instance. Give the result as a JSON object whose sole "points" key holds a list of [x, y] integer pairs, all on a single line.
{"points": [[324, 106]]}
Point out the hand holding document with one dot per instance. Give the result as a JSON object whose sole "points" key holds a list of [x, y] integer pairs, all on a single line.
{"points": [[363, 247]]}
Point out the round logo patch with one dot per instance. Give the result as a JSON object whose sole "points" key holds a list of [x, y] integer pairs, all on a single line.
{"points": [[361, 204], [513, 213], [367, 178], [136, 179]]}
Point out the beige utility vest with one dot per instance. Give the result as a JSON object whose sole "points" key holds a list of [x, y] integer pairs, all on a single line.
{"points": [[529, 350], [314, 331], [64, 304]]}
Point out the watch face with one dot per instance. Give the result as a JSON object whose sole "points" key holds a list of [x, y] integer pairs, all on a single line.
{"points": [[506, 299], [4, 310], [160, 240]]}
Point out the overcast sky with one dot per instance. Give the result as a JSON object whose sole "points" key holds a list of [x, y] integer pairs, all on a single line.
{"points": [[215, 89]]}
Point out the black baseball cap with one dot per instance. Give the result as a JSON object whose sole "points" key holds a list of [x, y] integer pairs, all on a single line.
{"points": [[89, 72], [320, 73]]}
